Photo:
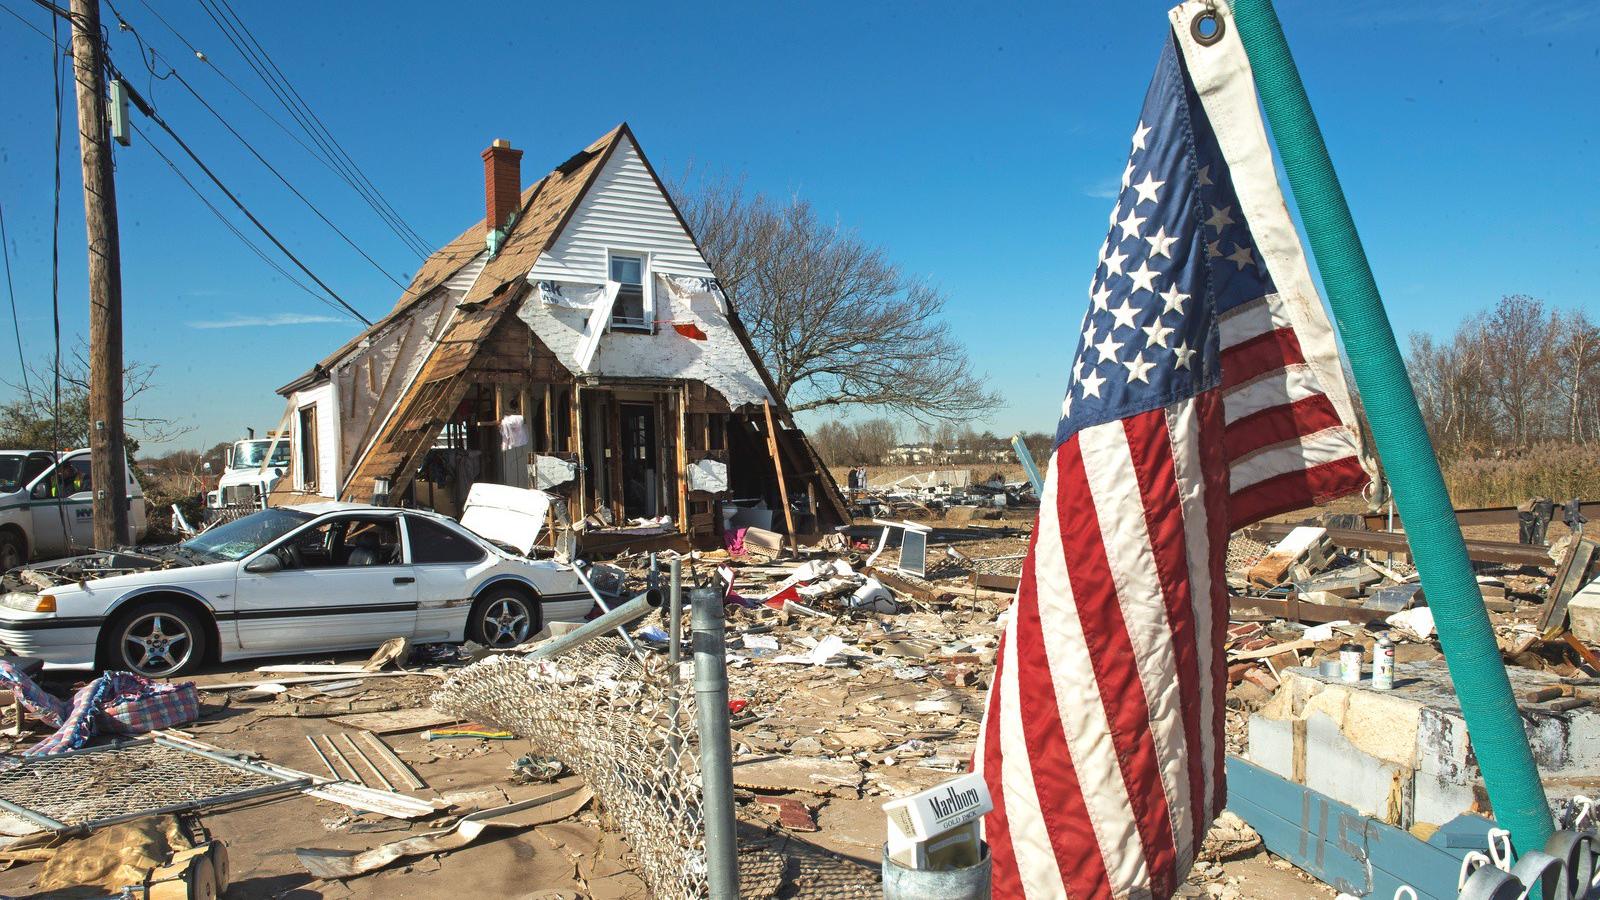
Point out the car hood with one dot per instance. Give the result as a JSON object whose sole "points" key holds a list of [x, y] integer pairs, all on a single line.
{"points": [[112, 569]]}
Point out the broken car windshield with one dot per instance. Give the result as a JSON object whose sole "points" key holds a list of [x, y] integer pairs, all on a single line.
{"points": [[241, 537]]}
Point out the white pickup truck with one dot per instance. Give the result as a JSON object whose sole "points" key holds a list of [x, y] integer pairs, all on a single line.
{"points": [[47, 505], [248, 475]]}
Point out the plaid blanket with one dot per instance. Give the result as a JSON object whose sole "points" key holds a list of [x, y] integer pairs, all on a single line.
{"points": [[115, 703]]}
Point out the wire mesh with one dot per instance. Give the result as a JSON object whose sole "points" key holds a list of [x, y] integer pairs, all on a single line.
{"points": [[608, 717], [90, 786]]}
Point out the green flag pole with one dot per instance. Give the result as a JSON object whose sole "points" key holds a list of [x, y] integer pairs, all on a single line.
{"points": [[1484, 690]]}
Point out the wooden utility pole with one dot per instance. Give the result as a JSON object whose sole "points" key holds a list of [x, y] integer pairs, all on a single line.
{"points": [[108, 456]]}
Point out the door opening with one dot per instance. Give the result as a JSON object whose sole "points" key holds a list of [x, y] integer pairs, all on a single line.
{"points": [[640, 486]]}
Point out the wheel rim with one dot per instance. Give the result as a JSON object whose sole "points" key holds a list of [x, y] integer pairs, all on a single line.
{"points": [[506, 622], [156, 644], [10, 556]]}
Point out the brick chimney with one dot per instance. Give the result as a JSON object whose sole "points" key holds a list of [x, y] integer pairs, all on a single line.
{"points": [[502, 189]]}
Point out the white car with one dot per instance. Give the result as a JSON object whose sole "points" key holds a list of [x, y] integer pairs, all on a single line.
{"points": [[321, 577]]}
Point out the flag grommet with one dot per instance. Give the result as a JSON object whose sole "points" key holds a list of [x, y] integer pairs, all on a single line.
{"points": [[1207, 28]]}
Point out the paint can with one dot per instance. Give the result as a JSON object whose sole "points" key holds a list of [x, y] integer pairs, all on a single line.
{"points": [[1383, 663], [1350, 662]]}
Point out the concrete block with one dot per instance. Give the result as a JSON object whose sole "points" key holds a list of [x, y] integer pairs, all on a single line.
{"points": [[1271, 746], [1584, 612], [1338, 768]]}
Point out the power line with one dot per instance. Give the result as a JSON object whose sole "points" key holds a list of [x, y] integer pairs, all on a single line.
{"points": [[149, 112], [255, 56], [16, 323], [172, 72], [145, 108], [376, 203], [296, 191], [284, 78], [243, 238]]}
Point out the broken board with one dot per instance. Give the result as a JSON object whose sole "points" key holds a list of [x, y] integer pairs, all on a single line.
{"points": [[816, 776], [397, 721]]}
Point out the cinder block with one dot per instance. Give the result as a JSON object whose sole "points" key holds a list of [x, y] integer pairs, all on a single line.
{"points": [[1584, 611], [1339, 769], [1272, 745]]}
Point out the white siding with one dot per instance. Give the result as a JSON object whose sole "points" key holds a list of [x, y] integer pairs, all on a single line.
{"points": [[624, 210], [325, 398]]}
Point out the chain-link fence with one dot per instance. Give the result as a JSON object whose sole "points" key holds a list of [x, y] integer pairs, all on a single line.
{"points": [[611, 719]]}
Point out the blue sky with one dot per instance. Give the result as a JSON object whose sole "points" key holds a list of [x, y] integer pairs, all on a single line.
{"points": [[979, 146]]}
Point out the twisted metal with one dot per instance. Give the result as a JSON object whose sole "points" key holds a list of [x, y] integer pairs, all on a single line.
{"points": [[610, 718]]}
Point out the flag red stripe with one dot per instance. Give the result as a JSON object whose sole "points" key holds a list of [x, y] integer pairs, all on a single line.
{"points": [[1249, 360], [1110, 651], [1061, 800], [1149, 443], [1004, 875], [1277, 424], [1295, 490], [1210, 414]]}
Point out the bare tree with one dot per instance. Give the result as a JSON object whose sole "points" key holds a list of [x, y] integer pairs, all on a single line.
{"points": [[31, 421], [1518, 336], [1577, 351], [838, 323]]}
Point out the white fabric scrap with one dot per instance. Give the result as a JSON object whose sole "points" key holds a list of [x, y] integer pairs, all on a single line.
{"points": [[570, 294], [551, 471], [709, 475]]}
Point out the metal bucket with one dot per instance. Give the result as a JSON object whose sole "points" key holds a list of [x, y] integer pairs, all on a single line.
{"points": [[901, 883]]}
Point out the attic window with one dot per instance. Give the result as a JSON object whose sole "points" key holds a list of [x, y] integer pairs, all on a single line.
{"points": [[631, 312]]}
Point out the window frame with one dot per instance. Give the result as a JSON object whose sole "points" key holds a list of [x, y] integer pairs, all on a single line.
{"points": [[342, 520], [646, 295], [411, 553], [309, 481]]}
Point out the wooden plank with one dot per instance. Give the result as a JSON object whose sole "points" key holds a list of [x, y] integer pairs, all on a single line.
{"points": [[1484, 515], [395, 722], [777, 465], [1502, 552], [1297, 611], [996, 582], [683, 458], [1334, 842]]}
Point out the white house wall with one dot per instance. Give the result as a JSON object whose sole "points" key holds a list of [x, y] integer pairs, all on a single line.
{"points": [[327, 435], [625, 211], [622, 211]]}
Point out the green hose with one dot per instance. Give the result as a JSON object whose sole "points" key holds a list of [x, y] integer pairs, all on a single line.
{"points": [[1484, 690]]}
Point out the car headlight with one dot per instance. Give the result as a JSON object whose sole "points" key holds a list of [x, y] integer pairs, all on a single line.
{"points": [[37, 603]]}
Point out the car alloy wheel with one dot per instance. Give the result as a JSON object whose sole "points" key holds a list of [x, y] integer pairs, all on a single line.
{"points": [[506, 622], [156, 643]]}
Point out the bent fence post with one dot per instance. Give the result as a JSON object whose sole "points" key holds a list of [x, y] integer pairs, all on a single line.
{"points": [[631, 611], [1493, 723]]}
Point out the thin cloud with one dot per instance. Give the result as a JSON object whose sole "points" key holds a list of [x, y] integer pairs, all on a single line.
{"points": [[1110, 189], [268, 321]]}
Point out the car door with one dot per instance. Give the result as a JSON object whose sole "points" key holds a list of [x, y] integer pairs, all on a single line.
{"points": [[447, 563], [345, 583], [62, 501]]}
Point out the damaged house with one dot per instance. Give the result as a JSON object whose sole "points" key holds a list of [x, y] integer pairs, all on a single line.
{"points": [[574, 341]]}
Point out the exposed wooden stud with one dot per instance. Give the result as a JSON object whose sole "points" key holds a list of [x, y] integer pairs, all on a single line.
{"points": [[576, 441], [549, 419], [683, 459], [777, 465]]}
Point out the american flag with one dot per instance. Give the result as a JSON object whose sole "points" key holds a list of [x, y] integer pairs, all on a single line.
{"points": [[1206, 393]]}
